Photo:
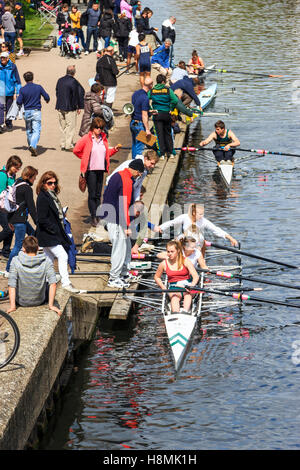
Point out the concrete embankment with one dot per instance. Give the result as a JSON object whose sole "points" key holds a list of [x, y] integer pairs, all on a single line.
{"points": [[32, 382]]}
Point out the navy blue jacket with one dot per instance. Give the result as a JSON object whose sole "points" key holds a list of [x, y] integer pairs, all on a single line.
{"points": [[187, 85], [69, 94], [30, 96]]}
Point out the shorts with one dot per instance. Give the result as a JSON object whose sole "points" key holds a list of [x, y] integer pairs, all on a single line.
{"points": [[18, 33], [110, 93], [131, 50], [144, 68]]}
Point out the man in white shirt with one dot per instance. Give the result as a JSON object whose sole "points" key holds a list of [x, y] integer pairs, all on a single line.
{"points": [[149, 159], [179, 72]]}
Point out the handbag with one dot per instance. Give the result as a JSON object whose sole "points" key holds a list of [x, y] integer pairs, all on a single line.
{"points": [[82, 183]]}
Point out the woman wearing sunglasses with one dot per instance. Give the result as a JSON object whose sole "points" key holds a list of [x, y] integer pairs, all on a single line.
{"points": [[50, 231], [95, 155]]}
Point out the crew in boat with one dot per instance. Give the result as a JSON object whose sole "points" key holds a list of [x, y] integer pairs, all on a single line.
{"points": [[196, 64], [180, 273], [194, 224], [189, 250], [225, 141]]}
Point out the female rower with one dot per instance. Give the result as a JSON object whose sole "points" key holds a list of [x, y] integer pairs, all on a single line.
{"points": [[189, 250], [180, 273], [196, 64], [195, 224]]}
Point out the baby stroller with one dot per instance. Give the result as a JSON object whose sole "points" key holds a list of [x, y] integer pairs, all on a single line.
{"points": [[65, 47]]}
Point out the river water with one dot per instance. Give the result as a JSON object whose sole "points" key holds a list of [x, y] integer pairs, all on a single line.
{"points": [[239, 386]]}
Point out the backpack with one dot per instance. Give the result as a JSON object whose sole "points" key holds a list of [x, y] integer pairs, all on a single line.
{"points": [[8, 202], [108, 116], [84, 18]]}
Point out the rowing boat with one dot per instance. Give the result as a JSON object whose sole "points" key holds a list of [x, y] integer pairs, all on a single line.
{"points": [[207, 96]]}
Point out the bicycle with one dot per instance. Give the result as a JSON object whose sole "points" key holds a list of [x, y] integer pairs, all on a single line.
{"points": [[9, 338]]}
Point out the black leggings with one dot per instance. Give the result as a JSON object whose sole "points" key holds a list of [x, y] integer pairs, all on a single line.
{"points": [[222, 155], [162, 123], [94, 180]]}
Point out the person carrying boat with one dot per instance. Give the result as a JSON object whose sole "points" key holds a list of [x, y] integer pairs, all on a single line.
{"points": [[225, 141], [180, 274], [189, 250], [196, 64], [195, 224]]}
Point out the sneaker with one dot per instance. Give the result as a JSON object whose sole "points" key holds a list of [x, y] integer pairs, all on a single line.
{"points": [[4, 274], [130, 278], [1, 129], [116, 283], [72, 289], [21, 52], [86, 53]]}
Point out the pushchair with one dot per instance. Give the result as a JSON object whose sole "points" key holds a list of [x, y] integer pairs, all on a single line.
{"points": [[65, 47]]}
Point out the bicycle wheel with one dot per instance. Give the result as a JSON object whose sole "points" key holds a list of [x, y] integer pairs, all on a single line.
{"points": [[9, 338]]}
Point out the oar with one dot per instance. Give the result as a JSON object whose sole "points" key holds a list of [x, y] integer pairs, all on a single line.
{"points": [[255, 74], [243, 297], [251, 255], [258, 151], [228, 275]]}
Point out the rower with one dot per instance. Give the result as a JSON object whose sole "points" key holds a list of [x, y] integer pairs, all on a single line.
{"points": [[189, 250], [180, 273], [195, 224], [196, 64], [225, 141]]}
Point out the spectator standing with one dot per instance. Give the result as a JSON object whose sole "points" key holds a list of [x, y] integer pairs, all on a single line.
{"points": [[164, 101], [19, 218], [2, 5], [10, 85], [8, 24], [127, 8], [122, 29], [139, 118], [30, 275], [30, 96], [63, 17], [7, 178], [20, 26], [168, 29], [106, 26], [69, 102], [131, 50], [50, 231], [6, 47], [114, 212], [95, 155], [92, 107], [93, 23], [75, 16], [107, 72]]}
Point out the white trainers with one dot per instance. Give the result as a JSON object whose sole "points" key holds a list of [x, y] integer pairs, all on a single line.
{"points": [[21, 52], [86, 53], [117, 283], [72, 289]]}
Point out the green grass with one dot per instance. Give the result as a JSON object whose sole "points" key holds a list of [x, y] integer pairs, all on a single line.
{"points": [[32, 31]]}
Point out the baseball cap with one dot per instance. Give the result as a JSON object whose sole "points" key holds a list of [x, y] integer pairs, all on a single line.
{"points": [[137, 164], [4, 54]]}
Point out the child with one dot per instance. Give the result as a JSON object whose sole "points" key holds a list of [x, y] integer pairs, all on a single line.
{"points": [[72, 39]]}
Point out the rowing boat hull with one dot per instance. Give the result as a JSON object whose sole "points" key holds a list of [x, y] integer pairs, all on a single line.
{"points": [[180, 328], [226, 172], [207, 96]]}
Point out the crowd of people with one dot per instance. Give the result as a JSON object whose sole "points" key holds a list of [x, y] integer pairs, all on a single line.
{"points": [[156, 109]]}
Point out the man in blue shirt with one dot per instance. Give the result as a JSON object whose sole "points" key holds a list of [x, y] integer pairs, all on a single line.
{"points": [[187, 90], [140, 118], [162, 59], [94, 15], [30, 96]]}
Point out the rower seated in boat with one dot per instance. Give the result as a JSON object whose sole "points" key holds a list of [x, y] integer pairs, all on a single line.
{"points": [[196, 64], [225, 141], [180, 274], [189, 250], [195, 224]]}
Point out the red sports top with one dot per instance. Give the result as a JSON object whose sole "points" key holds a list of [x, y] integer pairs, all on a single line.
{"points": [[175, 276]]}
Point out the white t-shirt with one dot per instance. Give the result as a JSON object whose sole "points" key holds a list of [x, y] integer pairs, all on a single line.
{"points": [[133, 38], [185, 223]]}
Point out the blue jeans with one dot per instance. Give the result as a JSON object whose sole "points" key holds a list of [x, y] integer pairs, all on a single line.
{"points": [[10, 37], [106, 41], [91, 31], [33, 121], [137, 146], [80, 36], [20, 232]]}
